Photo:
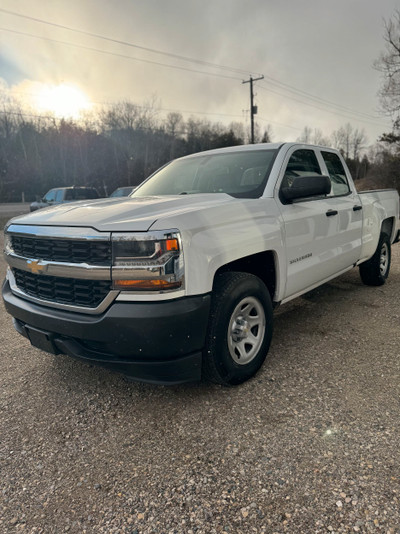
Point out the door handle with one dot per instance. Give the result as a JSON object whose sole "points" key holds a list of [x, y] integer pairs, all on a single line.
{"points": [[330, 213], [357, 208]]}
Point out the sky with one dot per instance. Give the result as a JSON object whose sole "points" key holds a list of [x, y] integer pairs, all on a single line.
{"points": [[192, 56]]}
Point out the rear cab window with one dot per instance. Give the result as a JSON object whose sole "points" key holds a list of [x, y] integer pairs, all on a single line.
{"points": [[337, 174]]}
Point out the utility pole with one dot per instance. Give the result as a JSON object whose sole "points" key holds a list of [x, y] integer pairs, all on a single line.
{"points": [[253, 108]]}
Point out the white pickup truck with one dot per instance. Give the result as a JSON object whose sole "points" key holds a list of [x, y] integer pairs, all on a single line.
{"points": [[179, 280]]}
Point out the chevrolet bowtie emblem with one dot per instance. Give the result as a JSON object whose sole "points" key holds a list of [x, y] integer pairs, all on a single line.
{"points": [[36, 267]]}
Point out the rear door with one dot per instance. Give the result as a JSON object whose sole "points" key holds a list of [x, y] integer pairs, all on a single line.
{"points": [[323, 235], [345, 200]]}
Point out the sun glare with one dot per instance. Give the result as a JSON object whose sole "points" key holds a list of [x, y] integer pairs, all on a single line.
{"points": [[62, 100]]}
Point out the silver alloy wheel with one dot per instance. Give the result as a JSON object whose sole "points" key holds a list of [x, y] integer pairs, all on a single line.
{"points": [[384, 259], [246, 330]]}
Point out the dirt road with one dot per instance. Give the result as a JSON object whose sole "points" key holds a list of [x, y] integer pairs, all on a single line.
{"points": [[310, 445]]}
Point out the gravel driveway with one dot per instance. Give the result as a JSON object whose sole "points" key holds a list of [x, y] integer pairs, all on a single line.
{"points": [[309, 445]]}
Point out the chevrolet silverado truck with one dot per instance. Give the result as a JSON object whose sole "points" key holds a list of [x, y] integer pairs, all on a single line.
{"points": [[179, 280]]}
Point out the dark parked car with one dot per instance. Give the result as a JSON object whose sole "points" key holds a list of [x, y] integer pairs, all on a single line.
{"points": [[123, 191], [64, 194]]}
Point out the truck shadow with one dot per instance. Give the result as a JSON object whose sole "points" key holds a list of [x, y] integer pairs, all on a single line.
{"points": [[311, 320]]}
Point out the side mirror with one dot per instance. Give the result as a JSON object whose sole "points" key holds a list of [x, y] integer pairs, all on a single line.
{"points": [[307, 186]]}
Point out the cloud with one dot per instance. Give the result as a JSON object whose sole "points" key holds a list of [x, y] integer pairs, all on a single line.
{"points": [[315, 47]]}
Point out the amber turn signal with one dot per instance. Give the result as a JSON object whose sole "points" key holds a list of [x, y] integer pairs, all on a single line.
{"points": [[172, 244], [146, 285]]}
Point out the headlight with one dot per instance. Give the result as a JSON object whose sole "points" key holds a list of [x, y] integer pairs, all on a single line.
{"points": [[147, 262], [7, 243]]}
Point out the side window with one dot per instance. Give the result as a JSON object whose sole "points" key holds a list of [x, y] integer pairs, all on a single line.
{"points": [[337, 174], [301, 163], [59, 195], [50, 196], [91, 193], [85, 194]]}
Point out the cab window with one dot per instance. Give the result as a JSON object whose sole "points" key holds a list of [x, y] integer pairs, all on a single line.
{"points": [[337, 174], [302, 162], [50, 196], [59, 195]]}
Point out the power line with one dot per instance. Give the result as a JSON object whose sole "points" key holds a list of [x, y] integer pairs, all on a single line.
{"points": [[375, 123], [30, 115], [318, 99], [114, 103], [280, 124], [53, 118], [185, 111], [126, 43], [83, 47], [50, 117]]}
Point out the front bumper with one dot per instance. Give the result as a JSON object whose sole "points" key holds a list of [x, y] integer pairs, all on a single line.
{"points": [[157, 342]]}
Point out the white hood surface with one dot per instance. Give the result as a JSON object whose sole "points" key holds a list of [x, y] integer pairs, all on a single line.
{"points": [[135, 214]]}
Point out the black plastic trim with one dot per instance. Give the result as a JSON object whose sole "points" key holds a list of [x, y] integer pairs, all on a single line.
{"points": [[160, 342]]}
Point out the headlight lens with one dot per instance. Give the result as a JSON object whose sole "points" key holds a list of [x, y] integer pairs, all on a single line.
{"points": [[147, 262], [7, 243]]}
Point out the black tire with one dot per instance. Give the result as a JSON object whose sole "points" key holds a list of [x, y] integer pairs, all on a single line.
{"points": [[375, 271], [240, 329]]}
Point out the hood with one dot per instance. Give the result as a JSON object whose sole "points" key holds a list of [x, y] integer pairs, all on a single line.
{"points": [[135, 214]]}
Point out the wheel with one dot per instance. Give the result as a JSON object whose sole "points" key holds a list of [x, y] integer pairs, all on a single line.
{"points": [[240, 329], [375, 271]]}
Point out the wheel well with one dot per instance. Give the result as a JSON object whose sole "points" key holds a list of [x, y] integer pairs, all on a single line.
{"points": [[387, 227], [261, 265]]}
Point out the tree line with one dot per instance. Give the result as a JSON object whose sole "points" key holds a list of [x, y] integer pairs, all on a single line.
{"points": [[120, 145]]}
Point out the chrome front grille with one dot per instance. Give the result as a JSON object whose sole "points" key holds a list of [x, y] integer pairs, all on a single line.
{"points": [[63, 250], [67, 268], [85, 293]]}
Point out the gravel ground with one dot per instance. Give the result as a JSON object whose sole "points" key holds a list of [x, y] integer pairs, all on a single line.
{"points": [[311, 444]]}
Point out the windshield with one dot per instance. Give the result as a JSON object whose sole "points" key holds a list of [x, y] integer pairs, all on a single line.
{"points": [[80, 194], [239, 174], [122, 192]]}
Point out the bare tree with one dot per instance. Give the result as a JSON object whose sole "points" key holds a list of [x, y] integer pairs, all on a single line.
{"points": [[267, 135], [349, 141], [314, 137], [238, 130], [126, 115], [305, 136], [174, 124], [342, 139], [359, 141], [318, 138], [388, 64]]}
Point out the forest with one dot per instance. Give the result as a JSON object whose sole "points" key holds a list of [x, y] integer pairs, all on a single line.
{"points": [[125, 143]]}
